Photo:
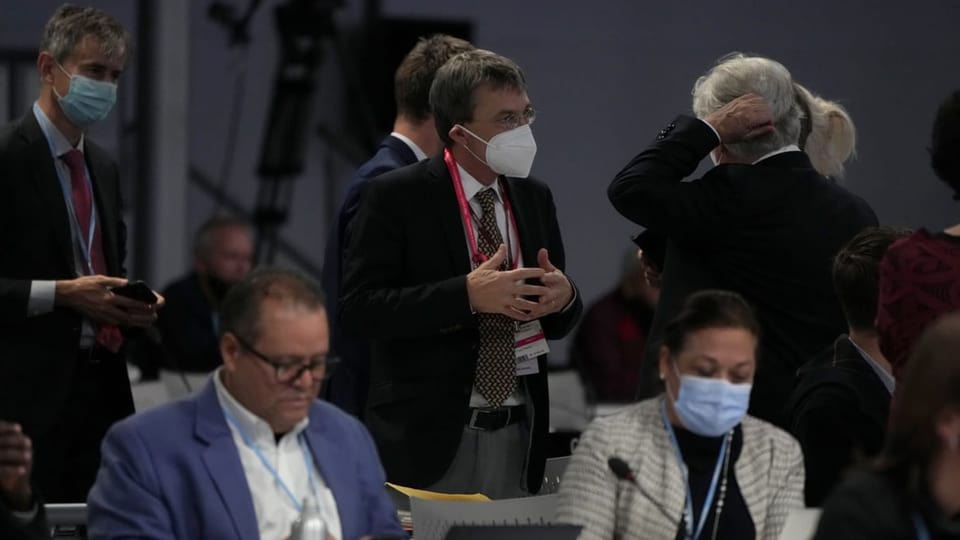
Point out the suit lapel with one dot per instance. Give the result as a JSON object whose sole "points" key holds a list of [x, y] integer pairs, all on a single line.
{"points": [[440, 189], [668, 487], [104, 190], [329, 459], [223, 463], [45, 179]]}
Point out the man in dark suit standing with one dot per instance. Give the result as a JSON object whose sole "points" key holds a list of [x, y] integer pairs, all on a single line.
{"points": [[763, 222], [62, 238], [414, 138], [454, 270]]}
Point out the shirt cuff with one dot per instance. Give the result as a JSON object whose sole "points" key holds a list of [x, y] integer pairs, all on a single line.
{"points": [[26, 517], [713, 129], [42, 295]]}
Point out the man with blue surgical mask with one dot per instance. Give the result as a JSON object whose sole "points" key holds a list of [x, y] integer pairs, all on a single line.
{"points": [[62, 377], [453, 271]]}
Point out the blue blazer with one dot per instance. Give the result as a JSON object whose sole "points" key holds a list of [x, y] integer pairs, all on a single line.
{"points": [[347, 387], [174, 472]]}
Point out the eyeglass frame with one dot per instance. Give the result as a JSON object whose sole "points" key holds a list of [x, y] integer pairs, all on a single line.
{"points": [[512, 120], [280, 367]]}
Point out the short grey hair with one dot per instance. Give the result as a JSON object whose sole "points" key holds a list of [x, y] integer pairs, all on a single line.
{"points": [[451, 94], [736, 75], [70, 24], [203, 241]]}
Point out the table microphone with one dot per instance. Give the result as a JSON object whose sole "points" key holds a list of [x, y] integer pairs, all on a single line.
{"points": [[623, 471]]}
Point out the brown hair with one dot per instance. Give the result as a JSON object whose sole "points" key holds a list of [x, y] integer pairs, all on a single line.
{"points": [[709, 309], [412, 80]]}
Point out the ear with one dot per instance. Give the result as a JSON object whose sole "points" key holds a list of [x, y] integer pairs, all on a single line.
{"points": [[664, 363], [458, 136], [46, 65], [229, 351]]}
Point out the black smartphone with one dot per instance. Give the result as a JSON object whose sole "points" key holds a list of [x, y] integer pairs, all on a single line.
{"points": [[137, 290]]}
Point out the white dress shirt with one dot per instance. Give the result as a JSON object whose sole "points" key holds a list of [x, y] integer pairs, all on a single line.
{"points": [[885, 376], [471, 187], [274, 510], [43, 292]]}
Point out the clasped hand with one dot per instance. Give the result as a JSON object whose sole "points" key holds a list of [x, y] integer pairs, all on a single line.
{"points": [[506, 292]]}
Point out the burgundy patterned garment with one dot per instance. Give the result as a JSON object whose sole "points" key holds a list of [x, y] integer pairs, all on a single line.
{"points": [[919, 282]]}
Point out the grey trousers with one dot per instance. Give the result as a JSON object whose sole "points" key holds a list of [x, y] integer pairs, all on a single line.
{"points": [[489, 462]]}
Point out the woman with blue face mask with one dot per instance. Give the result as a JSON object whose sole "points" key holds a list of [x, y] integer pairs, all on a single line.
{"points": [[689, 464]]}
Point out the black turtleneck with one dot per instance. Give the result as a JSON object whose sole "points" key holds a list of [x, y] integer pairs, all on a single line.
{"points": [[700, 455]]}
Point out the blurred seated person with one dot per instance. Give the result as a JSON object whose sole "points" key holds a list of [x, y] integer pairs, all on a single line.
{"points": [[920, 275], [608, 347], [913, 491], [695, 465], [239, 458], [188, 325], [21, 511], [839, 409]]}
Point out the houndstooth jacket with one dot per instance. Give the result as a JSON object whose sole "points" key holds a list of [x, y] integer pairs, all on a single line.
{"points": [[769, 472]]}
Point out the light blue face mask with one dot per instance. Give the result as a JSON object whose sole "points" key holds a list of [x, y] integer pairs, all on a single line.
{"points": [[710, 407], [87, 101]]}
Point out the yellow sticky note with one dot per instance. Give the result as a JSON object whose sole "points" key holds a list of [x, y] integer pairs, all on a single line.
{"points": [[436, 496]]}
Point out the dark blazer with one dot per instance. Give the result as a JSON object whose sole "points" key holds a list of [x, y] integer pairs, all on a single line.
{"points": [[186, 328], [870, 506], [768, 231], [405, 288], [38, 354], [347, 386], [175, 472], [838, 412]]}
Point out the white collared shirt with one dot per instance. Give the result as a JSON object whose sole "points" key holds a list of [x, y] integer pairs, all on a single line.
{"points": [[417, 151], [471, 187], [274, 510], [885, 376], [43, 292]]}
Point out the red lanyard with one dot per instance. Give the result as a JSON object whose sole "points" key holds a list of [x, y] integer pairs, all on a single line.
{"points": [[466, 215]]}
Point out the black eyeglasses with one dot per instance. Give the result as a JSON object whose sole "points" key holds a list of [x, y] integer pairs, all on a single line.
{"points": [[290, 369]]}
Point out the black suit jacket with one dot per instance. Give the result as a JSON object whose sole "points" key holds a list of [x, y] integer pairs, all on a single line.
{"points": [[838, 413], [405, 288], [12, 528], [347, 387], [38, 354], [185, 323], [768, 231]]}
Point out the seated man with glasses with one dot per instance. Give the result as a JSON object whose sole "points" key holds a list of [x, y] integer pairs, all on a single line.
{"points": [[239, 458]]}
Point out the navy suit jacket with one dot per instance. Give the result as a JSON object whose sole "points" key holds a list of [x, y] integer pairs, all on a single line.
{"points": [[347, 387], [175, 472]]}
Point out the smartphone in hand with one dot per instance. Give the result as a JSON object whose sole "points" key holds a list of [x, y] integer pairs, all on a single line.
{"points": [[137, 290]]}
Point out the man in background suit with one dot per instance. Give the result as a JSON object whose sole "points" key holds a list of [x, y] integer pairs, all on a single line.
{"points": [[839, 410], [63, 243], [414, 138], [188, 323], [435, 275], [237, 459], [763, 222]]}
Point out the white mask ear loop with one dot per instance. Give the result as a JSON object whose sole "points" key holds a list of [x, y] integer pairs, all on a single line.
{"points": [[477, 137]]}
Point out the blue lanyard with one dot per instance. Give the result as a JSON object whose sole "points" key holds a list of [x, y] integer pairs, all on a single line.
{"points": [[65, 187], [276, 475], [923, 533], [711, 493]]}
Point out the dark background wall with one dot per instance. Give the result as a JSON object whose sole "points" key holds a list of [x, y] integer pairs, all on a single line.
{"points": [[604, 76]]}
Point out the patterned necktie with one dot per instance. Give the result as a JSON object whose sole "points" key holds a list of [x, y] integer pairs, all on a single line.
{"points": [[496, 377], [108, 336]]}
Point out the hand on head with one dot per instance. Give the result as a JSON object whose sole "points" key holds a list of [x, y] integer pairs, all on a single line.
{"points": [[745, 118]]}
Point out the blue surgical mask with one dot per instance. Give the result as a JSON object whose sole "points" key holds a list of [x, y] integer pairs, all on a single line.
{"points": [[87, 101], [710, 407]]}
